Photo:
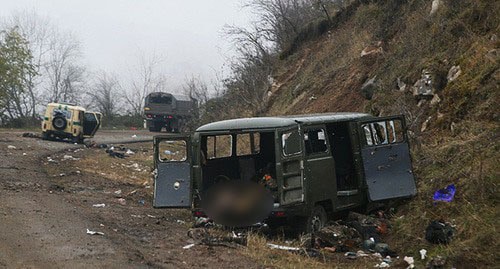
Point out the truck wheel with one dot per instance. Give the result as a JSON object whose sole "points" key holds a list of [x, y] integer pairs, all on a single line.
{"points": [[317, 220]]}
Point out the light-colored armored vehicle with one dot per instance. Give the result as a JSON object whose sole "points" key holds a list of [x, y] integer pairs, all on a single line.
{"points": [[69, 121]]}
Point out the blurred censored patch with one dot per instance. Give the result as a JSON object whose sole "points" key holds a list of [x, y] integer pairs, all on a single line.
{"points": [[237, 203]]}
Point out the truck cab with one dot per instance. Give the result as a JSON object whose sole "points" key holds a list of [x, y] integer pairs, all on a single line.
{"points": [[169, 111], [320, 164]]}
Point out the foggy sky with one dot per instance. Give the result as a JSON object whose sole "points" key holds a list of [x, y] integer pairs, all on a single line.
{"points": [[114, 33]]}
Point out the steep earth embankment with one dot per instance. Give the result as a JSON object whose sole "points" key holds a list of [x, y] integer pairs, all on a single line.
{"points": [[437, 63]]}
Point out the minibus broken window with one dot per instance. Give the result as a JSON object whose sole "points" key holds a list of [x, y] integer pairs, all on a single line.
{"points": [[315, 141], [368, 135], [247, 144], [172, 151], [219, 146], [290, 141], [383, 132]]}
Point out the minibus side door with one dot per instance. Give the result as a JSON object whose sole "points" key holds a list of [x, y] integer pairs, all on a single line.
{"points": [[386, 159], [172, 182], [290, 168]]}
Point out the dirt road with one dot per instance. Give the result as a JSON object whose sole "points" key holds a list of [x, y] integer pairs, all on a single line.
{"points": [[46, 207]]}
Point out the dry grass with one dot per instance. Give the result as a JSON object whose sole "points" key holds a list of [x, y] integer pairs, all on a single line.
{"points": [[460, 144], [275, 258], [134, 169]]}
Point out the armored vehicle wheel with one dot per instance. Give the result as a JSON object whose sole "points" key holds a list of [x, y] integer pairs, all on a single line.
{"points": [[59, 123], [317, 220]]}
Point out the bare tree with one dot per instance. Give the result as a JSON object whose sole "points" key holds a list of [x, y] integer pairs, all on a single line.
{"points": [[105, 96], [195, 88], [60, 68], [281, 20], [146, 78]]}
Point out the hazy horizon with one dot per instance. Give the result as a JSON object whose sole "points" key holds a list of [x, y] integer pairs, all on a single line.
{"points": [[114, 33]]}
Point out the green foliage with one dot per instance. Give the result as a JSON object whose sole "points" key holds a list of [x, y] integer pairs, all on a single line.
{"points": [[16, 64]]}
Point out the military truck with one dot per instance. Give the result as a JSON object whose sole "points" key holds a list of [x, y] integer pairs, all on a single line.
{"points": [[167, 110], [323, 164], [69, 121]]}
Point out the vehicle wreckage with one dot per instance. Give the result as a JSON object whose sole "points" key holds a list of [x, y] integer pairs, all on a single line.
{"points": [[68, 121], [314, 166]]}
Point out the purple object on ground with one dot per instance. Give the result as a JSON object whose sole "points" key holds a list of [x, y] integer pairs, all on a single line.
{"points": [[446, 194]]}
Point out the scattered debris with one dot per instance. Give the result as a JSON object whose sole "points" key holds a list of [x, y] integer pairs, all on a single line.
{"points": [[338, 236], [70, 158], [435, 6], [203, 236], [203, 222], [99, 205], [369, 87], [439, 232], [11, 147], [372, 50], [410, 261], [425, 124], [349, 255], [94, 233], [437, 262], [181, 221], [134, 136], [401, 85], [274, 246], [423, 253], [445, 194], [454, 73], [188, 246], [122, 201], [118, 192], [115, 154], [129, 152], [423, 89], [435, 100], [31, 135], [382, 265]]}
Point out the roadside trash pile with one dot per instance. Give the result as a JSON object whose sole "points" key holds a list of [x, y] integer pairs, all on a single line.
{"points": [[119, 151], [350, 236], [31, 135]]}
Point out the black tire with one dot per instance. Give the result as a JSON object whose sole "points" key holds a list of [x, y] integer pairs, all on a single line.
{"points": [[317, 220], [59, 123]]}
